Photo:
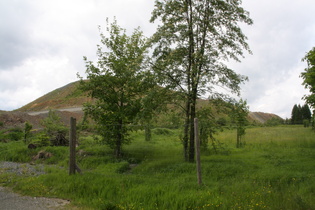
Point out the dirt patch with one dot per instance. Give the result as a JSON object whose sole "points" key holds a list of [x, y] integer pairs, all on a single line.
{"points": [[18, 119]]}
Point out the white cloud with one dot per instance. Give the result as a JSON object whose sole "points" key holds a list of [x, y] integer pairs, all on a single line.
{"points": [[43, 42]]}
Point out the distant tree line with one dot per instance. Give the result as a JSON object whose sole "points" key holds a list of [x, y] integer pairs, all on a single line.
{"points": [[300, 114]]}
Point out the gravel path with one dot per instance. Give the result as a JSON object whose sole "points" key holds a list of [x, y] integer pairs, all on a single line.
{"points": [[21, 168], [13, 201]]}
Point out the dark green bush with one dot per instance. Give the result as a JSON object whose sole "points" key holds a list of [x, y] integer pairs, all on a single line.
{"points": [[13, 134], [162, 131]]}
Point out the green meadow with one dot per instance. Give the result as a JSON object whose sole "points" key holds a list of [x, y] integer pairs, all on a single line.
{"points": [[274, 170]]}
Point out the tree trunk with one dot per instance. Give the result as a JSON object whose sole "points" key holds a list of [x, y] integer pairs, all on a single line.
{"points": [[119, 140], [192, 126], [186, 131], [147, 131]]}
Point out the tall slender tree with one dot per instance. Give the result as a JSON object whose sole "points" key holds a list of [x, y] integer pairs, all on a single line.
{"points": [[193, 40]]}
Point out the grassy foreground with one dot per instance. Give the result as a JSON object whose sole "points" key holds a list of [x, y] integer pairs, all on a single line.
{"points": [[275, 170]]}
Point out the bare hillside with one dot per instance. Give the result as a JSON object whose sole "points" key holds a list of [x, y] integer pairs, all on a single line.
{"points": [[64, 97], [261, 117], [69, 96]]}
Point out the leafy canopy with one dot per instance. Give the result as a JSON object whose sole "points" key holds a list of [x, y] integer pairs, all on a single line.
{"points": [[118, 83], [192, 43], [308, 77]]}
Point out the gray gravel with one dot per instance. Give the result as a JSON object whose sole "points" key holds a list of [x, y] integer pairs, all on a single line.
{"points": [[14, 201], [22, 168]]}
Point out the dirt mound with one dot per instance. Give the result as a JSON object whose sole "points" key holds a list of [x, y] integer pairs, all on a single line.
{"points": [[261, 117], [18, 119], [65, 97]]}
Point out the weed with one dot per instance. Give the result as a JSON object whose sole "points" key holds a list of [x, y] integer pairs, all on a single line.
{"points": [[275, 170]]}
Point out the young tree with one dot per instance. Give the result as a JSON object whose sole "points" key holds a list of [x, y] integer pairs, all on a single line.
{"points": [[27, 130], [239, 112], [190, 44], [308, 77], [118, 82]]}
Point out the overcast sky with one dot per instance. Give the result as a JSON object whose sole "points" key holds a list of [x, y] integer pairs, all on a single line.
{"points": [[42, 44]]}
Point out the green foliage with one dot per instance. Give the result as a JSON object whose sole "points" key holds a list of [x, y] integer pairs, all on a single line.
{"points": [[238, 113], [306, 123], [12, 134], [1, 124], [162, 131], [277, 165], [53, 124], [308, 76], [300, 113], [16, 151], [27, 130], [119, 83], [274, 121], [41, 140], [208, 127], [191, 43]]}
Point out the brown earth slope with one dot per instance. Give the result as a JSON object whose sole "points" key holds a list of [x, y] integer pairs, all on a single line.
{"points": [[69, 96], [64, 97]]}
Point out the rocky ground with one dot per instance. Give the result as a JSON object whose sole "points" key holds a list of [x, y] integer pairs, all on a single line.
{"points": [[18, 119], [14, 201]]}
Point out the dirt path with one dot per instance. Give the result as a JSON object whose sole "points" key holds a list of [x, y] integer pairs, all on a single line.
{"points": [[72, 109], [13, 201]]}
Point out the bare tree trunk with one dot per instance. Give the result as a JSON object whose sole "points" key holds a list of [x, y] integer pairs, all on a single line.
{"points": [[119, 140], [186, 131]]}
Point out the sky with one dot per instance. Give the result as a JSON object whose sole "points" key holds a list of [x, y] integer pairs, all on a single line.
{"points": [[42, 44]]}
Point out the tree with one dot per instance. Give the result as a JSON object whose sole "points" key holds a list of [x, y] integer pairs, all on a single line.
{"points": [[192, 42], [53, 124], [239, 112], [55, 131], [118, 82], [308, 77], [27, 130], [300, 113], [306, 112], [295, 115]]}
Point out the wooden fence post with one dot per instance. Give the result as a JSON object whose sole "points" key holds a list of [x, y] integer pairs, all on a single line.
{"points": [[72, 142], [197, 148]]}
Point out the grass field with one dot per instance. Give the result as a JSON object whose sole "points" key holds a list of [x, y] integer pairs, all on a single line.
{"points": [[275, 170]]}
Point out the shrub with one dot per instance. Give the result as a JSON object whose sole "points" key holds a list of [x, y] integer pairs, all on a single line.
{"points": [[162, 131], [13, 134]]}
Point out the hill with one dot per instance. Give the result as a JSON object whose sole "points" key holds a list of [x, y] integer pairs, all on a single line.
{"points": [[69, 97]]}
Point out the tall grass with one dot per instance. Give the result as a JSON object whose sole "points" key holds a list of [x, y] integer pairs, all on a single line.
{"points": [[275, 170]]}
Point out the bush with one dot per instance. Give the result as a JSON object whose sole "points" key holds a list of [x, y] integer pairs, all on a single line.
{"points": [[13, 134], [41, 140], [162, 131], [274, 122], [306, 123]]}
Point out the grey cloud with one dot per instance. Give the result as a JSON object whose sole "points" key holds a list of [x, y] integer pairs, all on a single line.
{"points": [[15, 41]]}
